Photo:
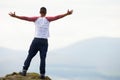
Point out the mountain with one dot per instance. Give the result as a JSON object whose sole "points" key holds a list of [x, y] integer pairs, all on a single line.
{"points": [[95, 59], [96, 52], [11, 60], [92, 59]]}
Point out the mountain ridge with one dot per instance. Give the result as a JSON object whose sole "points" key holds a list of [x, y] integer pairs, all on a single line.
{"points": [[97, 55], [104, 50]]}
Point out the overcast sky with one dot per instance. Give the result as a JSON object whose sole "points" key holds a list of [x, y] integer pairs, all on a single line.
{"points": [[91, 18]]}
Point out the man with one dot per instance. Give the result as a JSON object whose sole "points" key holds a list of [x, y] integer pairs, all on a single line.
{"points": [[40, 41]]}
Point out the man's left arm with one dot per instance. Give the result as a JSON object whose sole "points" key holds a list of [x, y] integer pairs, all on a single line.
{"points": [[60, 16]]}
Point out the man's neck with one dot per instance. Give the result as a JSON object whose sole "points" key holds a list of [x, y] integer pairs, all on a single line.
{"points": [[42, 15]]}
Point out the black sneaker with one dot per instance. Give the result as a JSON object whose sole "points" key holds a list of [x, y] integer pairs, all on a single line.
{"points": [[42, 77], [23, 73]]}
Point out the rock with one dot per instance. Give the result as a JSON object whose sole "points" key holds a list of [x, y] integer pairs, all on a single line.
{"points": [[29, 76]]}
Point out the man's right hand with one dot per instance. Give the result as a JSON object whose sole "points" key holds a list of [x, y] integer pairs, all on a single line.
{"points": [[12, 14]]}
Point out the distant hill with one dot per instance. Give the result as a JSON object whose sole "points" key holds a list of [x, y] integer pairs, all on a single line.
{"points": [[98, 52], [11, 58], [96, 57], [16, 76], [101, 51]]}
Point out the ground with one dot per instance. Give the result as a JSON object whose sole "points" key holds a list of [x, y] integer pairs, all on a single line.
{"points": [[29, 76]]}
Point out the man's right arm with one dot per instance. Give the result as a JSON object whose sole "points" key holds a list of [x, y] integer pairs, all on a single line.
{"points": [[23, 17]]}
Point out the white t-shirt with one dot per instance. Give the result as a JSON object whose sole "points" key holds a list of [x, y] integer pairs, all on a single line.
{"points": [[42, 28]]}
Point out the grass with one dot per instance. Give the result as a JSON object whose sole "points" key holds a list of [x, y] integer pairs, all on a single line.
{"points": [[29, 76]]}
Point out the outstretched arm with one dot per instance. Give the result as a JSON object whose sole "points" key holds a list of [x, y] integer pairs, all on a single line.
{"points": [[22, 17], [60, 16]]}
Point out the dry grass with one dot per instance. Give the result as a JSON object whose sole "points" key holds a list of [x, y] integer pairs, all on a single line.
{"points": [[29, 76]]}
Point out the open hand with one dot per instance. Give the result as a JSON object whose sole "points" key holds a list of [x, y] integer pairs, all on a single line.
{"points": [[69, 12], [12, 14]]}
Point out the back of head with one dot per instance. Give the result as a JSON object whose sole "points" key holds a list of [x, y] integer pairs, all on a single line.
{"points": [[43, 10]]}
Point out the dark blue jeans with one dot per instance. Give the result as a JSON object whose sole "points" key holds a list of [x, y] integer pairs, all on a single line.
{"points": [[41, 45]]}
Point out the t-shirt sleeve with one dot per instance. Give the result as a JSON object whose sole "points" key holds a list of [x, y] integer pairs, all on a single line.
{"points": [[32, 19], [53, 18]]}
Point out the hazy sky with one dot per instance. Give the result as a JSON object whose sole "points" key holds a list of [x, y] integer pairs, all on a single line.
{"points": [[91, 18]]}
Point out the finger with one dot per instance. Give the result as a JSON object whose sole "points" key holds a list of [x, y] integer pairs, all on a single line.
{"points": [[68, 10], [10, 13], [71, 11]]}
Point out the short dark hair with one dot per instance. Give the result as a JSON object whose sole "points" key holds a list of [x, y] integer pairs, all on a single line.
{"points": [[43, 10]]}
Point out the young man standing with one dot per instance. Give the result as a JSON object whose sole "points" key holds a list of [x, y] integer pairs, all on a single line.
{"points": [[40, 41]]}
